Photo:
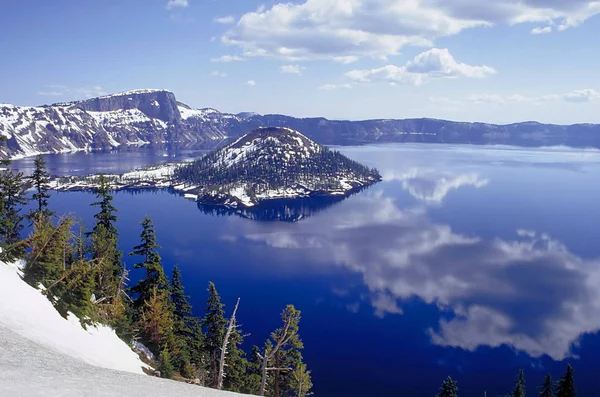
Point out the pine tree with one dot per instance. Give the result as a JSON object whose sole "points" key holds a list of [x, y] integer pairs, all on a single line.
{"points": [[214, 323], [449, 388], [106, 218], [237, 364], [40, 180], [547, 389], [254, 370], [281, 350], [151, 262], [47, 258], [165, 366], [157, 321], [108, 268], [519, 390], [566, 384], [12, 198], [301, 381], [183, 328]]}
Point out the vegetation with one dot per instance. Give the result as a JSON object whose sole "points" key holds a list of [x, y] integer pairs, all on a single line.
{"points": [[269, 168], [83, 273]]}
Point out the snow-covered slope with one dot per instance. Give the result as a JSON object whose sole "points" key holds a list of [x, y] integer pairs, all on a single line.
{"points": [[127, 118], [26, 312], [42, 354]]}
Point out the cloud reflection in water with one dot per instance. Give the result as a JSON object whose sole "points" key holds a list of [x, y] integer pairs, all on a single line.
{"points": [[530, 293]]}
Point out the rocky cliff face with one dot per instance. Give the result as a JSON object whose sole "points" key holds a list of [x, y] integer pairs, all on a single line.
{"points": [[154, 116], [155, 104]]}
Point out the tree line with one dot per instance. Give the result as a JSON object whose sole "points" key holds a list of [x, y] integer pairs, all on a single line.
{"points": [[82, 272], [565, 387]]}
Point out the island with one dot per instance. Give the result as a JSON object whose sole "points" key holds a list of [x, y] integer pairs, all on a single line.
{"points": [[267, 163]]}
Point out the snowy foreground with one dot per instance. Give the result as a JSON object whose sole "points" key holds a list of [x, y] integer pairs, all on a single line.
{"points": [[42, 354]]}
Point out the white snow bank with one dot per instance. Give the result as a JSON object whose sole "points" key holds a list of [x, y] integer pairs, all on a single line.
{"points": [[26, 312]]}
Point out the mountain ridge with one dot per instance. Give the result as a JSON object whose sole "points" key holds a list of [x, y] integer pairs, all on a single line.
{"points": [[154, 116]]}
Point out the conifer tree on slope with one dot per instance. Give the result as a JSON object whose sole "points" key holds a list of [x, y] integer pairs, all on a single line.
{"points": [[301, 383], [105, 253], [157, 322], [566, 384], [547, 389], [519, 390], [12, 198], [449, 388], [237, 365], [214, 324], [183, 328], [252, 384], [283, 341], [151, 262], [40, 180]]}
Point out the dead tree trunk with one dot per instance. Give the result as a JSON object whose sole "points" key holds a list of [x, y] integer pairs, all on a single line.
{"points": [[283, 339], [222, 364]]}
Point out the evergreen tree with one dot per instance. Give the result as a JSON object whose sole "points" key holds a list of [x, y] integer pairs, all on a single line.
{"points": [[107, 266], [547, 389], [165, 366], [214, 323], [106, 218], [183, 328], [47, 259], [519, 390], [157, 321], [12, 198], [253, 377], [40, 180], [281, 352], [237, 364], [566, 384], [151, 262], [301, 381], [449, 388]]}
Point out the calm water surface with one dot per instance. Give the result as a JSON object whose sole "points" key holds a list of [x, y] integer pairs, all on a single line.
{"points": [[466, 261]]}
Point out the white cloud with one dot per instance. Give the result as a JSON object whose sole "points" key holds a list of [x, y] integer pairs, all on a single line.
{"points": [[229, 19], [73, 92], [177, 4], [547, 29], [435, 63], [335, 29], [577, 96], [292, 69], [251, 83], [217, 73], [331, 87], [582, 96], [227, 58]]}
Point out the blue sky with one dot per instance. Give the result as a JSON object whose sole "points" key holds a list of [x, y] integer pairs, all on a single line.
{"points": [[470, 60]]}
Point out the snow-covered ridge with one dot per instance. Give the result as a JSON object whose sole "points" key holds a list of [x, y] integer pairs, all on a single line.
{"points": [[135, 92]]}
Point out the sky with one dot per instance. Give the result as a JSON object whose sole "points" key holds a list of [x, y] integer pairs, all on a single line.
{"points": [[499, 61]]}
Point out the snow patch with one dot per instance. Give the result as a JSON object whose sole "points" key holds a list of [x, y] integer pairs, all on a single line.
{"points": [[28, 313]]}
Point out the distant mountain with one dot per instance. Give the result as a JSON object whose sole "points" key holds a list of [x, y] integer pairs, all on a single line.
{"points": [[272, 163], [155, 116]]}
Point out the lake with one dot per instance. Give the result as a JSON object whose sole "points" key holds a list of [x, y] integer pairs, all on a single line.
{"points": [[467, 261]]}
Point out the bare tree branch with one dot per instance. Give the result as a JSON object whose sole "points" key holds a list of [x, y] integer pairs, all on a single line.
{"points": [[222, 364]]}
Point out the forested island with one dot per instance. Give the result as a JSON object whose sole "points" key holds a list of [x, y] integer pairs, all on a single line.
{"points": [[265, 164]]}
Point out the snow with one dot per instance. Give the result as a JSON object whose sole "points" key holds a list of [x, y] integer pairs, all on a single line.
{"points": [[134, 92], [42, 354], [28, 313]]}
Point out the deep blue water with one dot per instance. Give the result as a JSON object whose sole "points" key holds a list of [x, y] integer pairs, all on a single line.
{"points": [[473, 262]]}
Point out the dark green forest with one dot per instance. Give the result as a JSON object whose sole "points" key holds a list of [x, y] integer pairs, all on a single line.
{"points": [[270, 168]]}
